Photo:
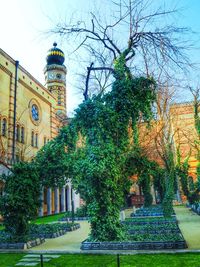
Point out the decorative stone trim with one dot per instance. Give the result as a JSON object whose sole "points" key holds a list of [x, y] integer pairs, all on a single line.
{"points": [[85, 245], [22, 245]]}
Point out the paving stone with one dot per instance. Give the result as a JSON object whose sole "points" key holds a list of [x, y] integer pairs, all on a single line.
{"points": [[30, 260], [51, 256], [35, 259], [26, 264], [44, 256], [32, 256]]}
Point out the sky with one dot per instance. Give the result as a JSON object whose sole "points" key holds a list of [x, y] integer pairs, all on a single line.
{"points": [[24, 23]]}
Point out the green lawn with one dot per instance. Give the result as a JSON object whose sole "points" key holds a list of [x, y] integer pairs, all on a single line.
{"points": [[9, 260], [48, 219], [143, 260], [41, 220]]}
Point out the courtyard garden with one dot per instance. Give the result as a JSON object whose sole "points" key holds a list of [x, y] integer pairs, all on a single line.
{"points": [[100, 151]]}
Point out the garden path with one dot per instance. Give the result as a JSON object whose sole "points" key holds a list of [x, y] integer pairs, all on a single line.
{"points": [[70, 241], [189, 223]]}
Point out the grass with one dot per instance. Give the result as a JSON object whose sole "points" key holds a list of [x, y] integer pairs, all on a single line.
{"points": [[48, 219], [41, 220], [9, 260], [142, 260]]}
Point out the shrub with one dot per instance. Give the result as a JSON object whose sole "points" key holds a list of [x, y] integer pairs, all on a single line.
{"points": [[20, 202]]}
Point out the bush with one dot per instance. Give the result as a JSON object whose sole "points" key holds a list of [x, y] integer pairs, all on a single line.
{"points": [[20, 202], [82, 211]]}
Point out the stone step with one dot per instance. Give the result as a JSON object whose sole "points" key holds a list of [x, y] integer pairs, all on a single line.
{"points": [[44, 256], [35, 259], [26, 264]]}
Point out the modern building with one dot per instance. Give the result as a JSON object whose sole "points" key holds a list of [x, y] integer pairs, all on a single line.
{"points": [[31, 115]]}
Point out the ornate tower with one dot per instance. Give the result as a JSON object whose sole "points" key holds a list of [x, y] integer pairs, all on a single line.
{"points": [[55, 78]]}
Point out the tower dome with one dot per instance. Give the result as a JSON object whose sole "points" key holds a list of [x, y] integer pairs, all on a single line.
{"points": [[55, 56]]}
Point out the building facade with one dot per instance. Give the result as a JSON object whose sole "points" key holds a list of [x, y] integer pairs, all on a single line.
{"points": [[31, 115]]}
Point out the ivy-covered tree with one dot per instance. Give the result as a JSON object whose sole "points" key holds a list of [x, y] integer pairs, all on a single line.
{"points": [[50, 164], [98, 167], [138, 164], [20, 201], [159, 182]]}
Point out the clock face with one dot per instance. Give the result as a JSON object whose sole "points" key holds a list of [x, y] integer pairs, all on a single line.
{"points": [[35, 112], [58, 76], [51, 76]]}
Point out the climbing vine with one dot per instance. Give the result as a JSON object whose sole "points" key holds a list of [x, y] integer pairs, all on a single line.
{"points": [[98, 167]]}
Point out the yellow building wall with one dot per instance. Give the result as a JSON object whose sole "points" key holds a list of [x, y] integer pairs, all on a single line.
{"points": [[28, 90], [24, 97], [4, 106], [185, 133]]}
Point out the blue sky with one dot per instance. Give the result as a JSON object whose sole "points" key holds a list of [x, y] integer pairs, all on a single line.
{"points": [[23, 24]]}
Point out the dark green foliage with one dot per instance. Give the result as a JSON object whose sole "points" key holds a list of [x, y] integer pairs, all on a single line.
{"points": [[146, 170], [82, 211], [167, 203], [170, 177], [42, 229], [20, 202], [189, 188], [98, 167], [51, 164], [192, 195], [159, 182]]}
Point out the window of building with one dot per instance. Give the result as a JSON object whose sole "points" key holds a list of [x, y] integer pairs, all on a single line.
{"points": [[32, 138], [45, 140], [4, 127], [36, 140], [18, 133], [22, 134]]}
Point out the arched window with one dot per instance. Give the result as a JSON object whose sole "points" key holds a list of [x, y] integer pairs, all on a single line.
{"points": [[32, 138], [22, 134], [45, 140], [36, 140], [4, 127], [18, 133]]}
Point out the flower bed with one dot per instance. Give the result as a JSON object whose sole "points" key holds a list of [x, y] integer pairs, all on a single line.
{"points": [[144, 234], [37, 235], [161, 237], [152, 228], [6, 242], [141, 241], [151, 211], [149, 220], [52, 230]]}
